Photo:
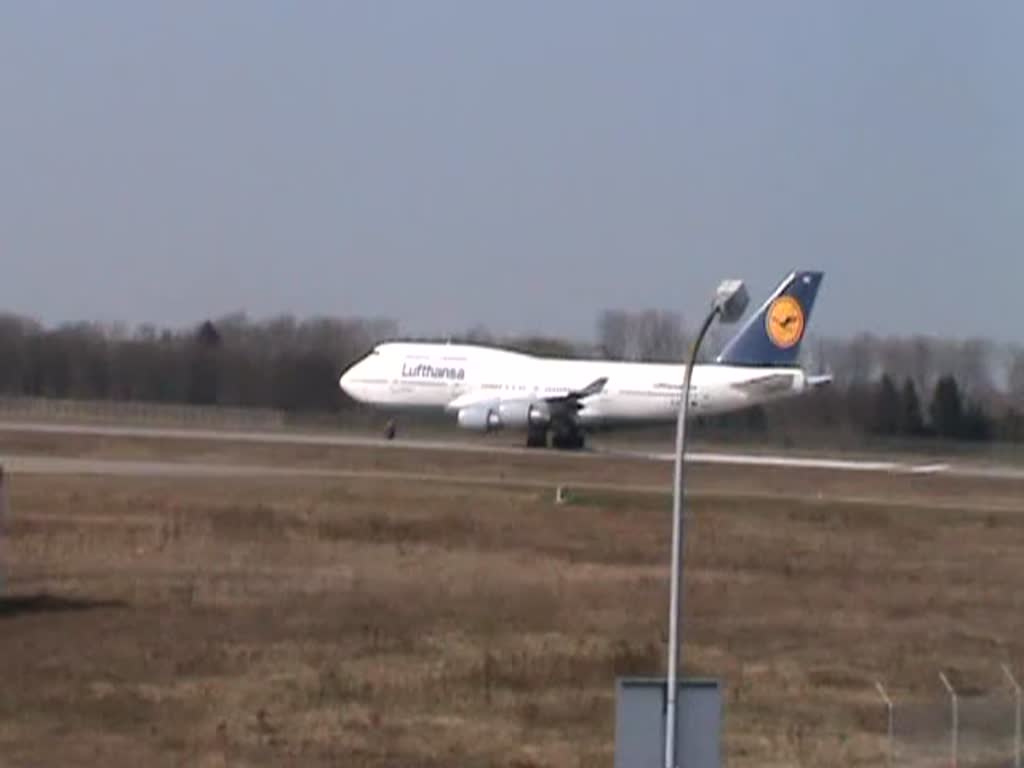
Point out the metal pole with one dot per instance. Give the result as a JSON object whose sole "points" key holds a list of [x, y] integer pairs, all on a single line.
{"points": [[954, 746], [675, 598], [888, 706], [1017, 713]]}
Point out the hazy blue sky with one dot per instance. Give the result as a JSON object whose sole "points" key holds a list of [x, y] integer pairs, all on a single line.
{"points": [[517, 164]]}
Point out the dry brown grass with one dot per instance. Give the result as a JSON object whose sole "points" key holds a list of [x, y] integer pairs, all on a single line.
{"points": [[403, 623]]}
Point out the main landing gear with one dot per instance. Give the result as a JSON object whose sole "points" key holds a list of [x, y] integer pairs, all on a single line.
{"points": [[566, 438], [537, 437]]}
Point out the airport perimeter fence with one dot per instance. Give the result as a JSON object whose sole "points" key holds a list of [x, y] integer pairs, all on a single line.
{"points": [[969, 731], [129, 412]]}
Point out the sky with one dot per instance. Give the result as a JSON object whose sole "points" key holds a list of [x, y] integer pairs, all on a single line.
{"points": [[520, 165]]}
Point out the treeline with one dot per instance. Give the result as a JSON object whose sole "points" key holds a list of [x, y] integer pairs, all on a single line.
{"points": [[898, 413], [913, 388], [282, 363], [925, 387], [882, 410], [891, 388]]}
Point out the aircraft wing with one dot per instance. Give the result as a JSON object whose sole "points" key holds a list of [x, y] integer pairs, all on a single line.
{"points": [[595, 387], [573, 398]]}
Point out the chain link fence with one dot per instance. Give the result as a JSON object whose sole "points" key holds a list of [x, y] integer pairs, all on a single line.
{"points": [[956, 731]]}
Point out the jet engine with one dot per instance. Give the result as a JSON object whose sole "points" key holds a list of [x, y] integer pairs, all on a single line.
{"points": [[519, 414], [479, 418], [513, 414]]}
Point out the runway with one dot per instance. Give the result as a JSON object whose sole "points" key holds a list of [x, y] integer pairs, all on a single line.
{"points": [[54, 466], [64, 466]]}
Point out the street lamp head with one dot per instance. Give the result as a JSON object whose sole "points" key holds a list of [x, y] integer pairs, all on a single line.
{"points": [[731, 300]]}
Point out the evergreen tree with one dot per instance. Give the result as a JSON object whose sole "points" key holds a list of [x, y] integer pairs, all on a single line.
{"points": [[1011, 427], [911, 422], [1016, 378], [975, 423], [886, 409], [204, 376], [755, 419], [946, 410]]}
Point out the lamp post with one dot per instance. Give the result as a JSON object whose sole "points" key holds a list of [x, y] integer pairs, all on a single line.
{"points": [[729, 304]]}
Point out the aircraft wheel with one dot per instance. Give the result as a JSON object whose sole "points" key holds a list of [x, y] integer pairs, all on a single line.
{"points": [[537, 438], [570, 440]]}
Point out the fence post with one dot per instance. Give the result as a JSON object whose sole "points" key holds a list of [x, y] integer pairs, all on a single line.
{"points": [[888, 706], [954, 745], [1016, 717]]}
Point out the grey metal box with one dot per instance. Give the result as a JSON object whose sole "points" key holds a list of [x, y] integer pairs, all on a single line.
{"points": [[640, 723]]}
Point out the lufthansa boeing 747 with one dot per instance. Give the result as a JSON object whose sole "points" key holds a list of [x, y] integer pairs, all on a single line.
{"points": [[489, 389]]}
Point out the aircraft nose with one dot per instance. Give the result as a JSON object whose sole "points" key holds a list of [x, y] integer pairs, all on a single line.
{"points": [[346, 384], [358, 380]]}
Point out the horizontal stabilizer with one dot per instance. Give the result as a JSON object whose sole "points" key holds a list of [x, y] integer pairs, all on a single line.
{"points": [[765, 385]]}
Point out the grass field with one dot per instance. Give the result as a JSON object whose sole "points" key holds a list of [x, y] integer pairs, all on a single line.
{"points": [[384, 621]]}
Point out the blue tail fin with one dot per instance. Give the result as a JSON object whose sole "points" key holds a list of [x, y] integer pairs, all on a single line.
{"points": [[772, 336]]}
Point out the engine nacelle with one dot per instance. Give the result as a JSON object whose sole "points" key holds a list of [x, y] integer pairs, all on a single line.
{"points": [[520, 414], [479, 418], [513, 414]]}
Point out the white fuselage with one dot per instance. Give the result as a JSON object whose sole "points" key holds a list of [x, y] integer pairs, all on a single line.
{"points": [[456, 376]]}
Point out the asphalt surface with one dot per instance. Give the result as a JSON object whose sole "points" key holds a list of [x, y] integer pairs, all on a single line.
{"points": [[40, 465], [53, 466]]}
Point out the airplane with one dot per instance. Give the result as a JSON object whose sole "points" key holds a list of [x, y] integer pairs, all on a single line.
{"points": [[489, 389]]}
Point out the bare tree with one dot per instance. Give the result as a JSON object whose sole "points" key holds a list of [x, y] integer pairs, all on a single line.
{"points": [[1015, 378], [613, 333], [974, 367], [660, 336], [654, 335], [922, 366]]}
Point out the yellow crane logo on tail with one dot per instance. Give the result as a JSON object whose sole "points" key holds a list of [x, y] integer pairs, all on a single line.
{"points": [[784, 322]]}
